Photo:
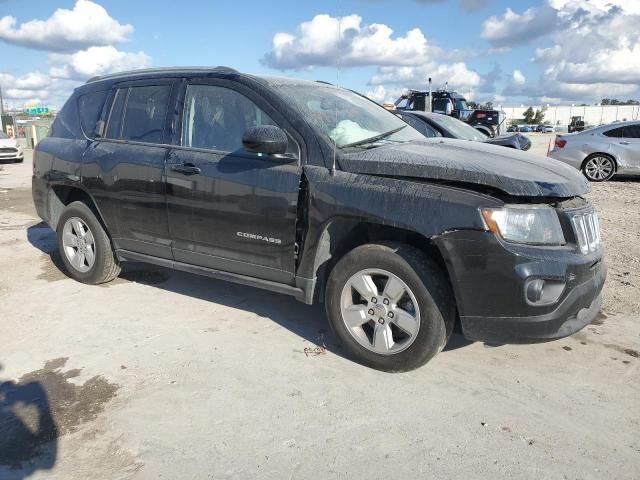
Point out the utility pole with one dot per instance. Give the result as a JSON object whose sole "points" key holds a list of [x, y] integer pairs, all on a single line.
{"points": [[1, 110]]}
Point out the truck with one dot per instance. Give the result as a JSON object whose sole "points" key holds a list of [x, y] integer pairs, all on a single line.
{"points": [[577, 124], [490, 122], [310, 190]]}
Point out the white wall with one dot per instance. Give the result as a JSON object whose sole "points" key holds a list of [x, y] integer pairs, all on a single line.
{"points": [[592, 115]]}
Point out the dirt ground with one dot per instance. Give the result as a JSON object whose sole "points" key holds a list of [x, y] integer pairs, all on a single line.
{"points": [[162, 374]]}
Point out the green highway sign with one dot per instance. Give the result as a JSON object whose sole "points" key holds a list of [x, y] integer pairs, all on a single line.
{"points": [[36, 110]]}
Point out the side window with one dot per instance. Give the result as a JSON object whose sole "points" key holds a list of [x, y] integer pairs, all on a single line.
{"points": [[146, 113], [616, 132], [114, 123], [420, 126], [632, 131], [90, 107], [215, 118]]}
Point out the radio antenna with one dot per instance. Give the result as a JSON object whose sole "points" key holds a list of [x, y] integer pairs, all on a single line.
{"points": [[335, 145]]}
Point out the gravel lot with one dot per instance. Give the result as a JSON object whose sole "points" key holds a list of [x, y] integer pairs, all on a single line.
{"points": [[162, 374]]}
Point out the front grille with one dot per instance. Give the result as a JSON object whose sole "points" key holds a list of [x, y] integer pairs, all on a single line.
{"points": [[587, 230], [8, 150]]}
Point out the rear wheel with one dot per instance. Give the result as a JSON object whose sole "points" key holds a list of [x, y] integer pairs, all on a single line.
{"points": [[599, 168], [390, 306], [85, 247]]}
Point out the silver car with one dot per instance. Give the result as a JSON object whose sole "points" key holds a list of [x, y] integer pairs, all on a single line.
{"points": [[601, 152], [9, 149]]}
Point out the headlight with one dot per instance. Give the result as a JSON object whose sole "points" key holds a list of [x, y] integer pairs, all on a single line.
{"points": [[538, 225]]}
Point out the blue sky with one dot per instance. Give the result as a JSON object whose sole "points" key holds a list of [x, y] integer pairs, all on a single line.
{"points": [[509, 52]]}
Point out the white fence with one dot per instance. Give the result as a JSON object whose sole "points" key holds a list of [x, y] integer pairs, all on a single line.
{"points": [[593, 115]]}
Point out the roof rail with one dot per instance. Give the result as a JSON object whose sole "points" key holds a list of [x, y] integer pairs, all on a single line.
{"points": [[218, 69]]}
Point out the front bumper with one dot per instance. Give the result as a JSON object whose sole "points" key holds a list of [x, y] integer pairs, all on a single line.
{"points": [[16, 156], [490, 277]]}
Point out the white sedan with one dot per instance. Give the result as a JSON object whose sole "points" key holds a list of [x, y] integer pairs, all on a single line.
{"points": [[9, 149], [601, 152]]}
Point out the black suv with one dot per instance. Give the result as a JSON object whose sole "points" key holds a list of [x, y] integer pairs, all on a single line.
{"points": [[311, 190]]}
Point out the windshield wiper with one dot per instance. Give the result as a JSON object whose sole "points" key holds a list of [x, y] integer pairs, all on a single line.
{"points": [[375, 138]]}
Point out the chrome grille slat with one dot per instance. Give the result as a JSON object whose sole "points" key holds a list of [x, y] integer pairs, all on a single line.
{"points": [[587, 230]]}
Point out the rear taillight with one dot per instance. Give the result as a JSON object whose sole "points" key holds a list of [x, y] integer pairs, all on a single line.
{"points": [[560, 142]]}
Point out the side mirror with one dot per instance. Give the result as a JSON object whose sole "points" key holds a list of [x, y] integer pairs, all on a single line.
{"points": [[267, 139], [448, 109]]}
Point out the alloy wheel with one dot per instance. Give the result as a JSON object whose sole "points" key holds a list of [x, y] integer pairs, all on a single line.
{"points": [[380, 311], [599, 168], [79, 244]]}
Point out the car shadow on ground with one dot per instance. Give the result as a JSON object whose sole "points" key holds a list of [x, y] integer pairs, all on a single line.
{"points": [[28, 433], [308, 322]]}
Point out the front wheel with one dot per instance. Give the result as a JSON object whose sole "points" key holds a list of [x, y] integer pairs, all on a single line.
{"points": [[390, 306], [599, 168], [85, 247]]}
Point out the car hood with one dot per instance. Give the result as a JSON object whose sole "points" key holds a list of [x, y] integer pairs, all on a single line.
{"points": [[8, 142], [509, 170]]}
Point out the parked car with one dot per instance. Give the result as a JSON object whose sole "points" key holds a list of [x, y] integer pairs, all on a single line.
{"points": [[438, 125], [525, 129], [512, 128], [548, 129], [601, 152], [10, 151], [310, 190]]}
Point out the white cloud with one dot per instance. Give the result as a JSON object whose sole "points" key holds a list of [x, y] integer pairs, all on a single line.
{"points": [[346, 41], [87, 24], [95, 61], [65, 73], [518, 77], [381, 95], [457, 74], [513, 29], [594, 51]]}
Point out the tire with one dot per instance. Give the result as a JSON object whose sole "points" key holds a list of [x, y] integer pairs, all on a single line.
{"points": [[426, 285], [91, 241], [599, 167]]}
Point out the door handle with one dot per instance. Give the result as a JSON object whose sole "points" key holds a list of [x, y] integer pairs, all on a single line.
{"points": [[186, 168], [624, 143]]}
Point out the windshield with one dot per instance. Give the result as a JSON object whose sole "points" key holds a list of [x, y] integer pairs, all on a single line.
{"points": [[3, 135], [346, 118], [461, 105], [459, 129]]}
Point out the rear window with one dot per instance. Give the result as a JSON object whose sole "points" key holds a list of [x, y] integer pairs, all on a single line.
{"points": [[146, 113], [114, 125], [139, 114], [632, 131], [89, 108], [616, 133]]}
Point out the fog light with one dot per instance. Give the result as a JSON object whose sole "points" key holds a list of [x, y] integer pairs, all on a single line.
{"points": [[543, 292], [535, 288]]}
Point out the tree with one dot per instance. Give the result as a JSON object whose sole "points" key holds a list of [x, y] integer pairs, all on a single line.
{"points": [[480, 106], [538, 119], [615, 101], [529, 115]]}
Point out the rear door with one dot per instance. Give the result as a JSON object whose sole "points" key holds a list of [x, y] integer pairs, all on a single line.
{"points": [[230, 209], [631, 145], [125, 168]]}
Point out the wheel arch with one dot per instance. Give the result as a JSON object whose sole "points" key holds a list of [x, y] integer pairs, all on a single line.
{"points": [[343, 235], [62, 195]]}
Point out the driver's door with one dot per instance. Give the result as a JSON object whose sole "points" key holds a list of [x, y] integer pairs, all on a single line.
{"points": [[230, 209]]}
